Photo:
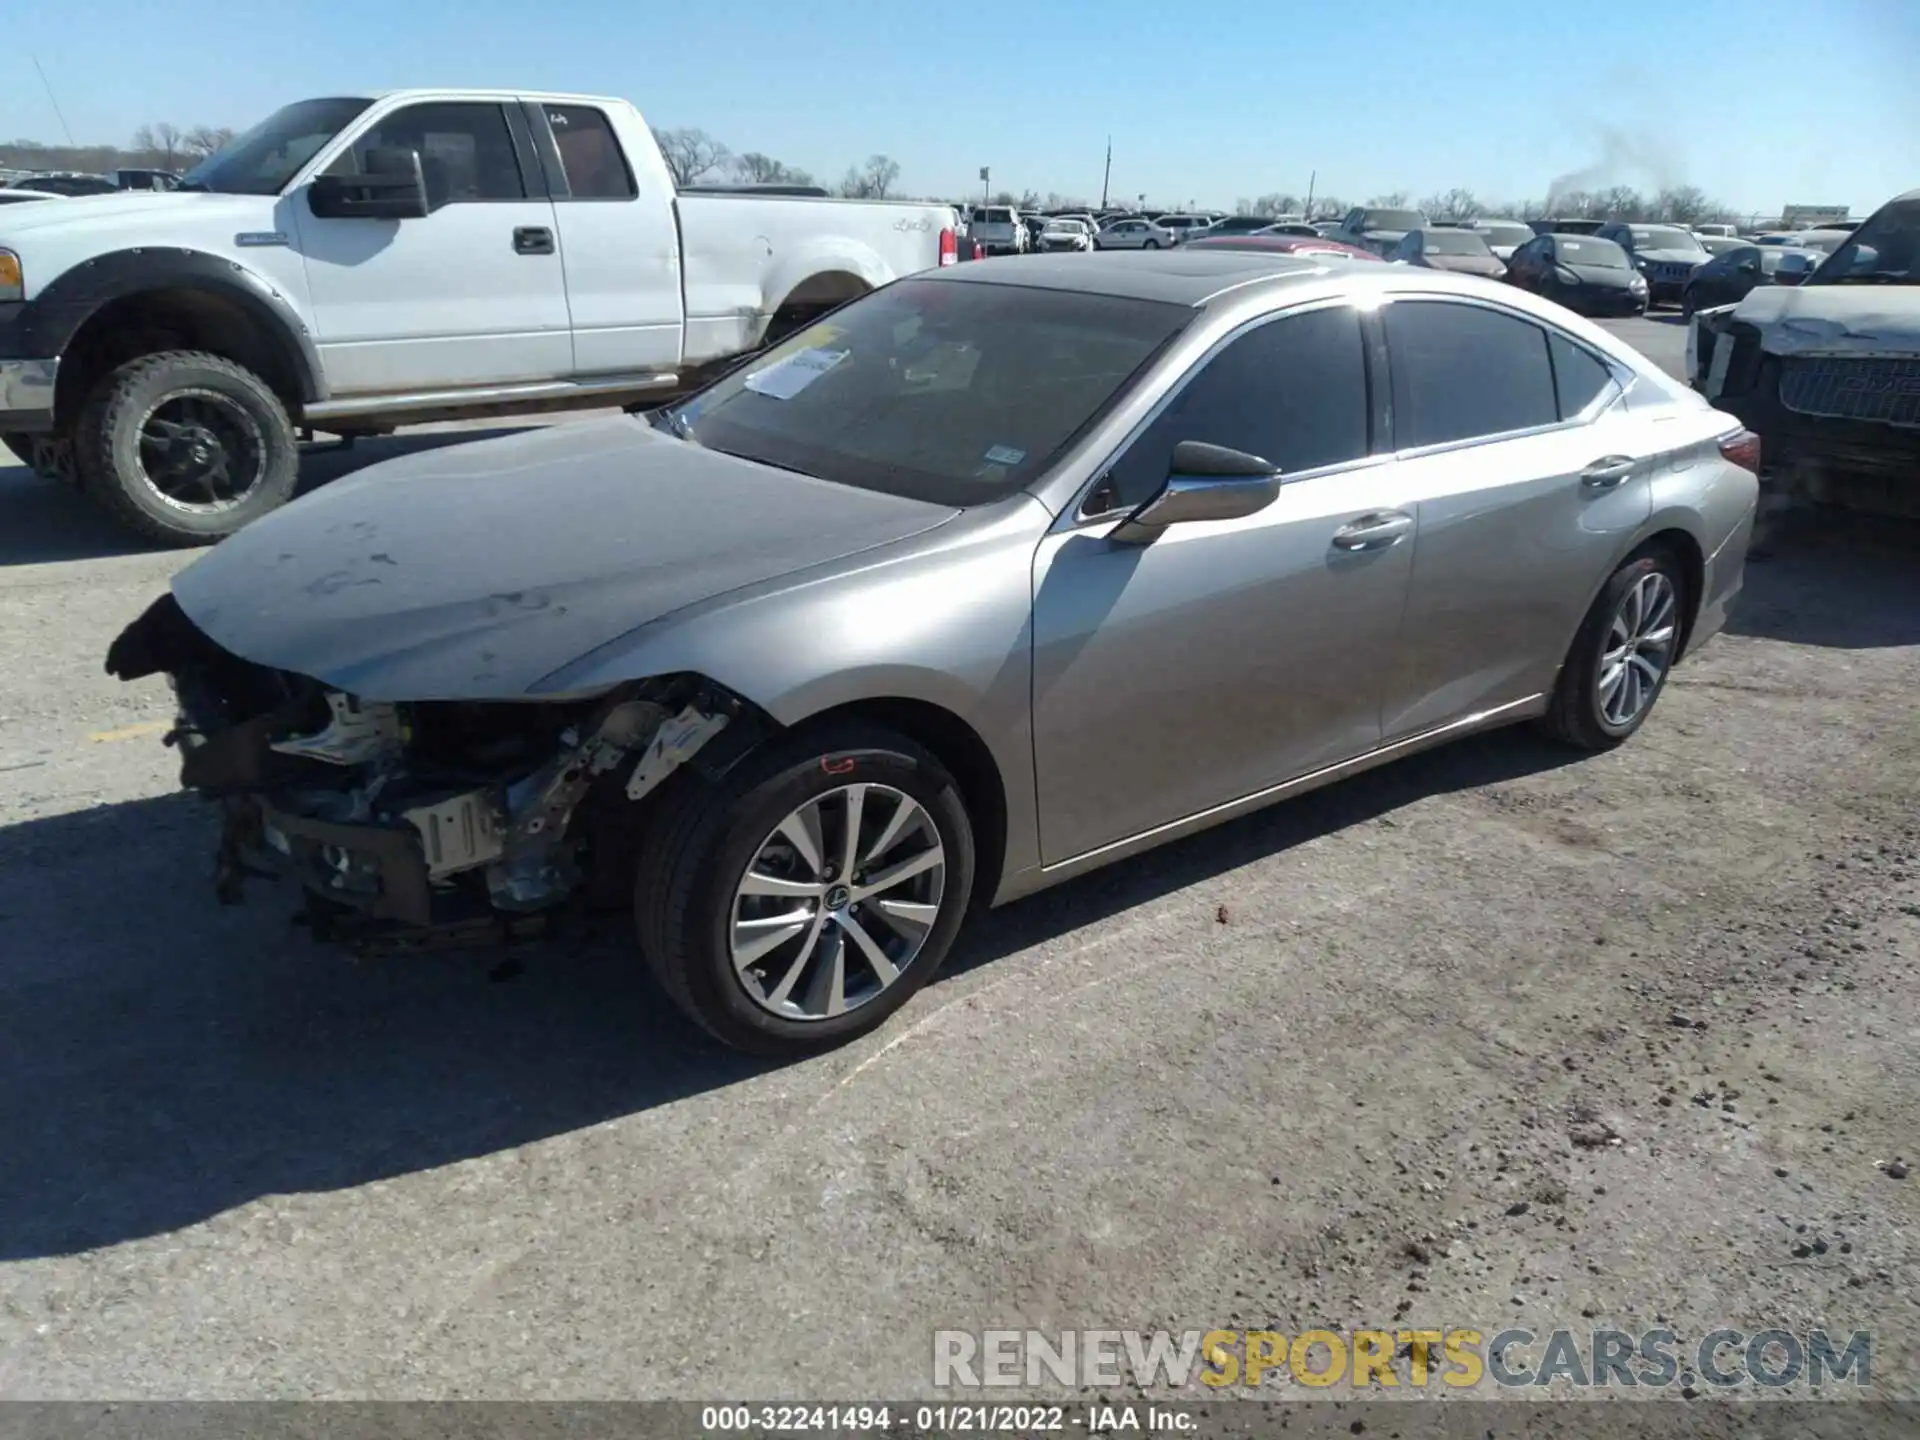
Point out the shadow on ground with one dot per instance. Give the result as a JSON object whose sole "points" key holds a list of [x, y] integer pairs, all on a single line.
{"points": [[44, 522], [1830, 578], [165, 1059]]}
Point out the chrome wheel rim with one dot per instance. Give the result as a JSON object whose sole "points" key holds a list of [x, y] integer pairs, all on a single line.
{"points": [[837, 902], [201, 451], [1638, 649]]}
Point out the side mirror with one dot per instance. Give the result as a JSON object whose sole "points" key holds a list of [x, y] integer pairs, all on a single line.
{"points": [[1204, 482], [394, 188]]}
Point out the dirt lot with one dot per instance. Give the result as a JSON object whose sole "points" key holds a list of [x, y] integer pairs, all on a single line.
{"points": [[1491, 1036]]}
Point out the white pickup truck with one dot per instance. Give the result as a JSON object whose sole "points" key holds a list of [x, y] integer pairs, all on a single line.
{"points": [[353, 264]]}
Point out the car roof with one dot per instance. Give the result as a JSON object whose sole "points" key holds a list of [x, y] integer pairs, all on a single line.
{"points": [[1176, 277]]}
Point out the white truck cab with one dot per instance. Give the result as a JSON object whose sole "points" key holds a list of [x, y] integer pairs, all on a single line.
{"points": [[355, 263]]}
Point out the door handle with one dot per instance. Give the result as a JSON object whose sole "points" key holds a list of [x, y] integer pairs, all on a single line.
{"points": [[1606, 472], [1373, 532], [532, 240]]}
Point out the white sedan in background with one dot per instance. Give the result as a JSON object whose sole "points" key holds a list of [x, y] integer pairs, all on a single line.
{"points": [[1062, 233], [1136, 234]]}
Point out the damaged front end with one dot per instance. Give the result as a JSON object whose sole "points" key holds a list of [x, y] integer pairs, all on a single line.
{"points": [[416, 823]]}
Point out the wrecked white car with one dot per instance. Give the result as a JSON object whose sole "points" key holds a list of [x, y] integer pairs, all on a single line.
{"points": [[1827, 373]]}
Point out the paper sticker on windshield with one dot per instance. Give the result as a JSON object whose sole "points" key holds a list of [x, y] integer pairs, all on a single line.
{"points": [[1005, 455], [795, 373]]}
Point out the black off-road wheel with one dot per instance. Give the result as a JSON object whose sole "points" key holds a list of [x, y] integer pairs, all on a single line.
{"points": [[798, 902], [186, 447], [1623, 654]]}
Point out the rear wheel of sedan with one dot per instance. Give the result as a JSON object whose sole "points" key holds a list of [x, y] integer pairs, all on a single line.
{"points": [[799, 901], [1151, 245], [1623, 654]]}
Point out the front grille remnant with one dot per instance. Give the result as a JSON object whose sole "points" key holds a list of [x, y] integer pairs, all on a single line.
{"points": [[1882, 390]]}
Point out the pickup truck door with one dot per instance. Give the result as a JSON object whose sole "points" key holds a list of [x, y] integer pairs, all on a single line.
{"points": [[619, 241], [470, 294]]}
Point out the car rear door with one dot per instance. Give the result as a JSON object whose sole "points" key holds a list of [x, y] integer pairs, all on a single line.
{"points": [[472, 293], [1226, 656], [1527, 473], [619, 245]]}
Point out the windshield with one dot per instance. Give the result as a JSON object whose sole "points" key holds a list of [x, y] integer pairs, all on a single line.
{"points": [[263, 160], [1454, 242], [1589, 250], [1664, 237], [1883, 251], [1394, 220], [953, 392], [1505, 232]]}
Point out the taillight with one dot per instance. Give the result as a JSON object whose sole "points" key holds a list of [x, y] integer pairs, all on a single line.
{"points": [[949, 247], [1742, 447]]}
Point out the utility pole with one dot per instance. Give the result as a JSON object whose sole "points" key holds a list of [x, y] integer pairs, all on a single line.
{"points": [[1106, 174], [1312, 176]]}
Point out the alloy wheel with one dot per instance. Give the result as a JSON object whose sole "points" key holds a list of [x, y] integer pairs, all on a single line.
{"points": [[837, 902], [200, 450], [1638, 649]]}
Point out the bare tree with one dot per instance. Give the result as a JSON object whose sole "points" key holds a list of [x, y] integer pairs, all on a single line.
{"points": [[205, 140], [1327, 207], [1392, 201], [753, 168], [690, 154], [1682, 204], [1455, 204], [878, 176]]}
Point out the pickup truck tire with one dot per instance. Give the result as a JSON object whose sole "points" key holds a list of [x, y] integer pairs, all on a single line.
{"points": [[185, 447], [693, 913]]}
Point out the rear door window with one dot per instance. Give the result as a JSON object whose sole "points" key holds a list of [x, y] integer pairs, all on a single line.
{"points": [[595, 166], [1466, 372]]}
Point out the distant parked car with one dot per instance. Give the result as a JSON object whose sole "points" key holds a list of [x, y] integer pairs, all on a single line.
{"points": [[1036, 226], [1503, 237], [1666, 254], [1185, 227], [145, 180], [1064, 234], [1721, 244], [1582, 272], [1465, 252], [1135, 234], [1716, 229], [1241, 225], [1727, 279], [998, 229], [66, 182], [1309, 246], [1378, 230], [1564, 226], [1288, 227]]}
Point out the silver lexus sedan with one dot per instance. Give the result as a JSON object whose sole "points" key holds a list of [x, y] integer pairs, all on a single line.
{"points": [[992, 577]]}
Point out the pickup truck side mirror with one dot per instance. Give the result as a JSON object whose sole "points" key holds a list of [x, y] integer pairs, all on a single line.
{"points": [[393, 188]]}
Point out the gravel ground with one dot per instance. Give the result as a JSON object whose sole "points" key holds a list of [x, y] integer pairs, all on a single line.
{"points": [[1490, 1036]]}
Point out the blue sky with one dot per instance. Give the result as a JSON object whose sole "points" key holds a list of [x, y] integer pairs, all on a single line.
{"points": [[1759, 102]]}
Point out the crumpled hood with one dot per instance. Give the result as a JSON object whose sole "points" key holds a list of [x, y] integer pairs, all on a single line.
{"points": [[474, 571], [1834, 319]]}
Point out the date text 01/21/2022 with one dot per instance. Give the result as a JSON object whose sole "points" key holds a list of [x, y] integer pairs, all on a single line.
{"points": [[959, 1419]]}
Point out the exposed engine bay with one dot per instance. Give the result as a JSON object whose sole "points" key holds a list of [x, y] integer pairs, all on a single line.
{"points": [[423, 822]]}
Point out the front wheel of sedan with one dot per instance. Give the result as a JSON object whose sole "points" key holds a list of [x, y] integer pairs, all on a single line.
{"points": [[798, 902], [1623, 654]]}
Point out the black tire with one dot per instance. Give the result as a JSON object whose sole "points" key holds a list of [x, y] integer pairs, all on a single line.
{"points": [[704, 836], [107, 443], [1575, 714], [1151, 245]]}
